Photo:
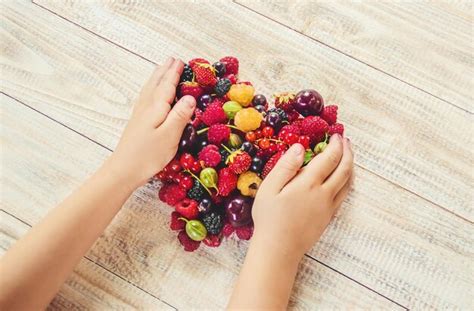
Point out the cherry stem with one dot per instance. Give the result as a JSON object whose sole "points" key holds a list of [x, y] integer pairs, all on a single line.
{"points": [[197, 178]]}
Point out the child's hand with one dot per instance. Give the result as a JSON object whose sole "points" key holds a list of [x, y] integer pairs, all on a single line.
{"points": [[152, 135], [293, 208]]}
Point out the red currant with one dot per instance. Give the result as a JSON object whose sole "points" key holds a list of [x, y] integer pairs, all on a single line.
{"points": [[304, 140], [187, 161], [186, 182], [264, 143], [291, 138], [267, 131], [273, 148], [258, 133], [251, 137]]}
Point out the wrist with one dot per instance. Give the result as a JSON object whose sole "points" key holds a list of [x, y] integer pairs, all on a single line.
{"points": [[114, 173], [281, 254]]}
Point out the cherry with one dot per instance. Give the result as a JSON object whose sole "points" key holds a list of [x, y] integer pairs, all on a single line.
{"points": [[259, 100], [309, 102], [239, 210], [175, 166], [196, 167]]}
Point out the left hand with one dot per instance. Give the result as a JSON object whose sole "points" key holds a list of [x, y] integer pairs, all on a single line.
{"points": [[152, 135]]}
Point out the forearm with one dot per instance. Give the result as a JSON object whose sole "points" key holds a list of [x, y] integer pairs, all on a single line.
{"points": [[266, 279], [35, 267]]}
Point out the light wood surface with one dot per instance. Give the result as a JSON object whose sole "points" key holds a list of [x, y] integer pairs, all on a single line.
{"points": [[138, 246], [427, 46], [402, 239], [400, 133], [90, 286]]}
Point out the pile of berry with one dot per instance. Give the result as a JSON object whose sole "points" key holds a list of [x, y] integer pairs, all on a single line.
{"points": [[233, 142]]}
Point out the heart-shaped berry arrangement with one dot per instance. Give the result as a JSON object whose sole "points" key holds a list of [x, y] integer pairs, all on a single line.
{"points": [[233, 142]]}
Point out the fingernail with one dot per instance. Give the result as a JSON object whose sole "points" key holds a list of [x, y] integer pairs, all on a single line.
{"points": [[297, 149], [189, 100], [335, 137]]}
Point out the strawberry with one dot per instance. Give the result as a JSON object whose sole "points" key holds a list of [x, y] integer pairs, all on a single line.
{"points": [[285, 101], [195, 61], [188, 208], [190, 88], [205, 75]]}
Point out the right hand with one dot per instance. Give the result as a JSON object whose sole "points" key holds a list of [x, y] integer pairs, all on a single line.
{"points": [[294, 206]]}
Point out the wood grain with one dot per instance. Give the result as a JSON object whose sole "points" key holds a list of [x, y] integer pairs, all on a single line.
{"points": [[89, 286], [402, 134], [44, 161], [426, 44]]}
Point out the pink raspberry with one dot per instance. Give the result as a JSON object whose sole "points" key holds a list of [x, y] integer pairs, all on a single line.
{"points": [[218, 134], [227, 181], [329, 114], [214, 114], [210, 156], [336, 128], [189, 245]]}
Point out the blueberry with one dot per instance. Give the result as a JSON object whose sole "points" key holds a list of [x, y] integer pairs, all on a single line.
{"points": [[257, 165]]}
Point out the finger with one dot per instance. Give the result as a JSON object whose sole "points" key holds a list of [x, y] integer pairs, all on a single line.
{"points": [[155, 78], [343, 172], [342, 194], [166, 89], [178, 117], [324, 164], [284, 171]]}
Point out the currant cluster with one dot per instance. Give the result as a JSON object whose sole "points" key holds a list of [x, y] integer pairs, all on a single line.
{"points": [[234, 140]]}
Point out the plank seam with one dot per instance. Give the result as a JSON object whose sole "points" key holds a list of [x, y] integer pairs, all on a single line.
{"points": [[320, 262], [97, 264], [354, 58]]}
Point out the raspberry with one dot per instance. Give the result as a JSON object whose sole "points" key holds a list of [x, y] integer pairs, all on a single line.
{"points": [[171, 193], [228, 230], [222, 87], [293, 116], [197, 118], [271, 163], [240, 162], [189, 245], [231, 64], [285, 101], [218, 100], [232, 78], [336, 128], [205, 75], [190, 88], [213, 222], [218, 133], [248, 184], [315, 128], [245, 232], [329, 114], [197, 192], [177, 224], [212, 240], [227, 181], [248, 119], [214, 114], [188, 208], [290, 128], [195, 61], [187, 75], [210, 155]]}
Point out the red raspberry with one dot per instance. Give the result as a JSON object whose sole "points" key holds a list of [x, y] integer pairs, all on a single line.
{"points": [[336, 128], [231, 64], [227, 230], [190, 88], [212, 240], [285, 101], [189, 245], [315, 127], [245, 232], [210, 156], [195, 61], [232, 78], [214, 114], [240, 163], [290, 128], [197, 118], [175, 223], [218, 134], [188, 208], [227, 181], [218, 100], [171, 194], [292, 116], [271, 163], [205, 75], [329, 114], [305, 141]]}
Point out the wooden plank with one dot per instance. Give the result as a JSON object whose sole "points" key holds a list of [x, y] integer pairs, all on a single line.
{"points": [[89, 286], [43, 161], [426, 44], [400, 133]]}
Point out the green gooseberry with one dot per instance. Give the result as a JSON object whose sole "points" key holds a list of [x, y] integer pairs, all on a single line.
{"points": [[195, 229], [235, 141], [208, 177], [231, 108], [320, 147]]}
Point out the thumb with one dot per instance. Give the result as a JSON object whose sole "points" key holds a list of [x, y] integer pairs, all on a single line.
{"points": [[179, 116], [285, 169]]}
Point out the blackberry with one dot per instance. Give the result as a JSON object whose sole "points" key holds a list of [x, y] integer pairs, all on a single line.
{"points": [[280, 112], [220, 68], [187, 75], [222, 87], [197, 191], [224, 154], [213, 222]]}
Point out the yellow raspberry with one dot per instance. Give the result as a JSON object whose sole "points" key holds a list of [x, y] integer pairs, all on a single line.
{"points": [[241, 93], [248, 119], [248, 183]]}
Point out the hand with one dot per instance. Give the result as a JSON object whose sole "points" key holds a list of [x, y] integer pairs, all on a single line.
{"points": [[293, 207], [152, 135]]}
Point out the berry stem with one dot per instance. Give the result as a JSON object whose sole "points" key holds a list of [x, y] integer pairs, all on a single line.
{"points": [[197, 178], [207, 128], [226, 148]]}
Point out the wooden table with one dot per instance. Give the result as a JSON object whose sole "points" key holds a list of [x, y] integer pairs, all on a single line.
{"points": [[400, 72]]}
